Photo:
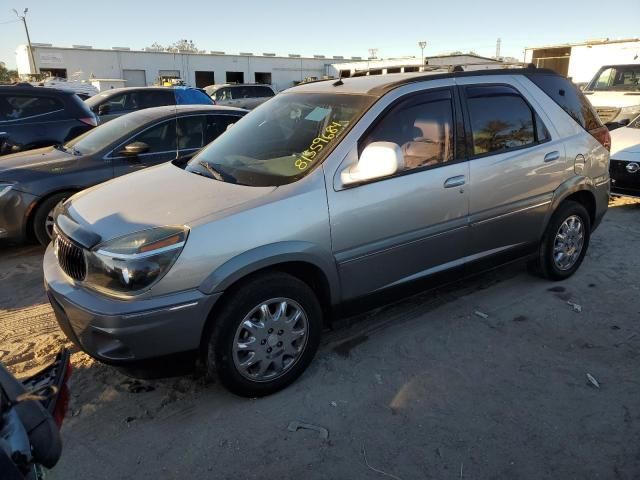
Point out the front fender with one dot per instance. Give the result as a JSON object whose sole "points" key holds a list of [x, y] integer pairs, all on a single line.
{"points": [[269, 255]]}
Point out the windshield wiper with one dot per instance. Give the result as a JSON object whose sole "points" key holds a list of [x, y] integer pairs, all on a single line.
{"points": [[214, 173]]}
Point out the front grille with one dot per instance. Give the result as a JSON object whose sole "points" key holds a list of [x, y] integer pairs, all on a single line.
{"points": [[70, 258], [607, 114], [621, 177]]}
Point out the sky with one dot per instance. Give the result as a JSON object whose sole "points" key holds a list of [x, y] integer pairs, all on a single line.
{"points": [[326, 27]]}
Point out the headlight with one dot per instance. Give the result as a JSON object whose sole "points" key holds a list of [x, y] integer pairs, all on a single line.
{"points": [[133, 263], [5, 188]]}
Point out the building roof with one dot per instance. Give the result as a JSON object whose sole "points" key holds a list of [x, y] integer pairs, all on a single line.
{"points": [[600, 41]]}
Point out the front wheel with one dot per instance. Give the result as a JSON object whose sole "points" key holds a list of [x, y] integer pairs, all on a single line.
{"points": [[43, 217], [265, 335], [565, 242]]}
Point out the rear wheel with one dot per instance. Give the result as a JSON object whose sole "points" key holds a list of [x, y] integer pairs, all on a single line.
{"points": [[43, 217], [565, 242], [265, 335]]}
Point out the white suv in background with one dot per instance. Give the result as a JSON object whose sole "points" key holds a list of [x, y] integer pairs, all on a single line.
{"points": [[247, 96], [615, 93]]}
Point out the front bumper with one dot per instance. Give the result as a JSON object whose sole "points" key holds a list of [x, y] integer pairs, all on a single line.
{"points": [[15, 208], [624, 182], [118, 331]]}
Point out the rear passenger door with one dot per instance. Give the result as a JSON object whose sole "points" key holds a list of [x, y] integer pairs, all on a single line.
{"points": [[515, 165], [30, 121]]}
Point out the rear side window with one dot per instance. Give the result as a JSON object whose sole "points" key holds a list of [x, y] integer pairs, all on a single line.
{"points": [[500, 119], [569, 98], [17, 107], [155, 98], [263, 92]]}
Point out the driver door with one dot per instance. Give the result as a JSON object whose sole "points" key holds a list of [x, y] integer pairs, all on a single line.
{"points": [[162, 147], [403, 227]]}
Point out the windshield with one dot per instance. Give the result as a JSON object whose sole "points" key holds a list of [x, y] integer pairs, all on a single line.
{"points": [[104, 135], [635, 123], [623, 78], [282, 140]]}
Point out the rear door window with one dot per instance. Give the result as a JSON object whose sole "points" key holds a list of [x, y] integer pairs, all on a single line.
{"points": [[500, 119], [568, 97], [18, 107], [263, 92], [155, 98]]}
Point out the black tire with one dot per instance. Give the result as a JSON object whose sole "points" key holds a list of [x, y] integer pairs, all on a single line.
{"points": [[251, 293], [544, 265], [41, 214]]}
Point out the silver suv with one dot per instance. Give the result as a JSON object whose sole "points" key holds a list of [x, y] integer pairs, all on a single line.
{"points": [[247, 96], [329, 192]]}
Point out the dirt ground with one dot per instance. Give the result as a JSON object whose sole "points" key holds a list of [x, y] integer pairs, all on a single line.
{"points": [[423, 388]]}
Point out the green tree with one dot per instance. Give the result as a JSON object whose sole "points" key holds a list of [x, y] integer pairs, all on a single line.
{"points": [[7, 75]]}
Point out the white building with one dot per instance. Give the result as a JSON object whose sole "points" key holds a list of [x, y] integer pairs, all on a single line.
{"points": [[140, 68], [580, 61], [412, 64]]}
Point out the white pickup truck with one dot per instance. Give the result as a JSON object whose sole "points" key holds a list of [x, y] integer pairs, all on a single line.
{"points": [[615, 92]]}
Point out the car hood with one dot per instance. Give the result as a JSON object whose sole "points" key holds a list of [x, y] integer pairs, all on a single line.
{"points": [[43, 161], [625, 141], [613, 99], [157, 196]]}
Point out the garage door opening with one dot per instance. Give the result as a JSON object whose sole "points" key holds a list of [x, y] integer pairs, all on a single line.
{"points": [[204, 79], [135, 78], [263, 77], [54, 72], [235, 77]]}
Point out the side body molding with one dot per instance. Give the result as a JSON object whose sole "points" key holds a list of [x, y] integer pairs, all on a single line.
{"points": [[269, 255]]}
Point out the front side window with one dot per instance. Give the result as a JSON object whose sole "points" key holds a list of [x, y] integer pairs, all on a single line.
{"points": [[16, 107], [282, 140], [160, 138], [421, 126], [191, 132], [217, 125], [500, 119], [622, 78]]}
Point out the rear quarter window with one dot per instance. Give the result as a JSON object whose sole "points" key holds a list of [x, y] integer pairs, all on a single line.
{"points": [[569, 98], [18, 107]]}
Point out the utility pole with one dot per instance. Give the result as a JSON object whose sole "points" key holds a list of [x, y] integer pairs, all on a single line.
{"points": [[23, 17], [498, 43], [422, 46]]}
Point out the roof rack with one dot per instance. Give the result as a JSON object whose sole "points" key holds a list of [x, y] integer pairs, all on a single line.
{"points": [[454, 72]]}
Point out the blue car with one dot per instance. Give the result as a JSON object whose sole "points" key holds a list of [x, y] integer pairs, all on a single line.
{"points": [[120, 101]]}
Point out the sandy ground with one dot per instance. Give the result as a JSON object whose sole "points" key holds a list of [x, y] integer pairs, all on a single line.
{"points": [[423, 388]]}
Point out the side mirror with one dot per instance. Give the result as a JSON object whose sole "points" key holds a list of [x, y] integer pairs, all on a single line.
{"points": [[377, 160], [103, 109], [134, 149]]}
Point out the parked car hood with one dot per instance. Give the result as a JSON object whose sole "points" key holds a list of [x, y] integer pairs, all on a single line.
{"points": [[27, 167], [613, 99], [156, 196], [625, 144]]}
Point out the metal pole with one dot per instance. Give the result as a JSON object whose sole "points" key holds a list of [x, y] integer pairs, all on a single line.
{"points": [[422, 46], [26, 29]]}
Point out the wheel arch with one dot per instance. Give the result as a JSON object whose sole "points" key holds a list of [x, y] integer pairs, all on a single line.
{"points": [[578, 189], [302, 260], [29, 232]]}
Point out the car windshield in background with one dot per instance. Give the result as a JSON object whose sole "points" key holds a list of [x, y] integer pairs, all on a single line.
{"points": [[282, 140], [102, 136], [622, 78], [635, 123]]}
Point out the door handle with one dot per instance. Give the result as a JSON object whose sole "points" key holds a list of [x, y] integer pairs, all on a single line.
{"points": [[552, 156], [454, 181]]}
